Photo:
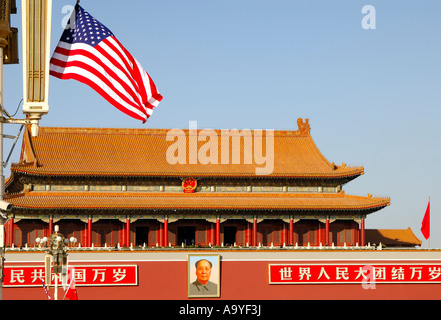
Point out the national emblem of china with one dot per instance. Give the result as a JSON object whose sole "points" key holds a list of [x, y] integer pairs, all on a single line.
{"points": [[189, 185]]}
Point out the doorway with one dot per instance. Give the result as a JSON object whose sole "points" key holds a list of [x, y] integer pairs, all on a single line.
{"points": [[142, 236], [229, 235], [186, 235]]}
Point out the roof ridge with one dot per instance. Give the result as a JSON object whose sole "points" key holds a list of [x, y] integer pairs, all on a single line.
{"points": [[159, 131]]}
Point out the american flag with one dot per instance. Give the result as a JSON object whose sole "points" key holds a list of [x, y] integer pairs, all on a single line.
{"points": [[90, 53], [45, 289]]}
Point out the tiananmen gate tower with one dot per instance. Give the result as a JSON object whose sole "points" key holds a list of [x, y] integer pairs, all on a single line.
{"points": [[115, 186], [144, 209]]}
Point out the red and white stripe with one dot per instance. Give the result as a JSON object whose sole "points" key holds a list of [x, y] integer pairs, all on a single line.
{"points": [[111, 71]]}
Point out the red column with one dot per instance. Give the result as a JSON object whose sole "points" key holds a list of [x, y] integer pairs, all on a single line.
{"points": [[254, 241], [51, 227], [161, 235], [165, 232], [89, 233], [284, 231], [291, 232], [127, 239], [327, 232], [9, 230], [213, 234], [362, 233], [217, 232], [248, 234], [319, 234]]}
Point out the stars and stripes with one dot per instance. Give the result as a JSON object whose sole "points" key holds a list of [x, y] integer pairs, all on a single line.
{"points": [[45, 289], [90, 53]]}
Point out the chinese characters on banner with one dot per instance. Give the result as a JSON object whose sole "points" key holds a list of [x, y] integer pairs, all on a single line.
{"points": [[353, 273], [105, 275]]}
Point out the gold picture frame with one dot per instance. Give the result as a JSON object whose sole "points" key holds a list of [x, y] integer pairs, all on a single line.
{"points": [[203, 276]]}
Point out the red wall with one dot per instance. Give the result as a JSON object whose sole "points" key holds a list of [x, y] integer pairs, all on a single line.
{"points": [[240, 280]]}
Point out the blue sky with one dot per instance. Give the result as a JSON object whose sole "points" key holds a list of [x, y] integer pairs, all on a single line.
{"points": [[372, 96]]}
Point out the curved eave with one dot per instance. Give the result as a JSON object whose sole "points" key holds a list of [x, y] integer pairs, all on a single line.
{"points": [[200, 201], [344, 174], [217, 208]]}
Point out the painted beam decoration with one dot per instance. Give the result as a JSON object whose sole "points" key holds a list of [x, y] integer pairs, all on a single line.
{"points": [[345, 273]]}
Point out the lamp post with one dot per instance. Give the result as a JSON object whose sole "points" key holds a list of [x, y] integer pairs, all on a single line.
{"points": [[36, 30], [6, 8], [57, 254], [58, 251]]}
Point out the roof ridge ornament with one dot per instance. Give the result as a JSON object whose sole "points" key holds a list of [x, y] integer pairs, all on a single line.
{"points": [[304, 127]]}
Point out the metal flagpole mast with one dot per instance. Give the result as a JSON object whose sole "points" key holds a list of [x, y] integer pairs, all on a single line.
{"points": [[4, 34], [2, 179], [36, 29]]}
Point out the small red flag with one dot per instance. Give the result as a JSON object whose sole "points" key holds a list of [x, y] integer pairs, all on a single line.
{"points": [[425, 227], [71, 292]]}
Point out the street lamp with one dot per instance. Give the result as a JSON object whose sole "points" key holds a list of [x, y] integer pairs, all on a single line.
{"points": [[57, 254], [73, 240], [41, 241], [36, 31]]}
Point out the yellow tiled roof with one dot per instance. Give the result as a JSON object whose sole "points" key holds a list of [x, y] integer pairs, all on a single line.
{"points": [[393, 237], [142, 152]]}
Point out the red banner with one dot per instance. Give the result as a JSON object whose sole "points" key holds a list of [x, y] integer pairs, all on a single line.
{"points": [[102, 275], [354, 273]]}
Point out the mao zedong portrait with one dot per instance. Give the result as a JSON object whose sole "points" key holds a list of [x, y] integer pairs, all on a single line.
{"points": [[203, 286]]}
